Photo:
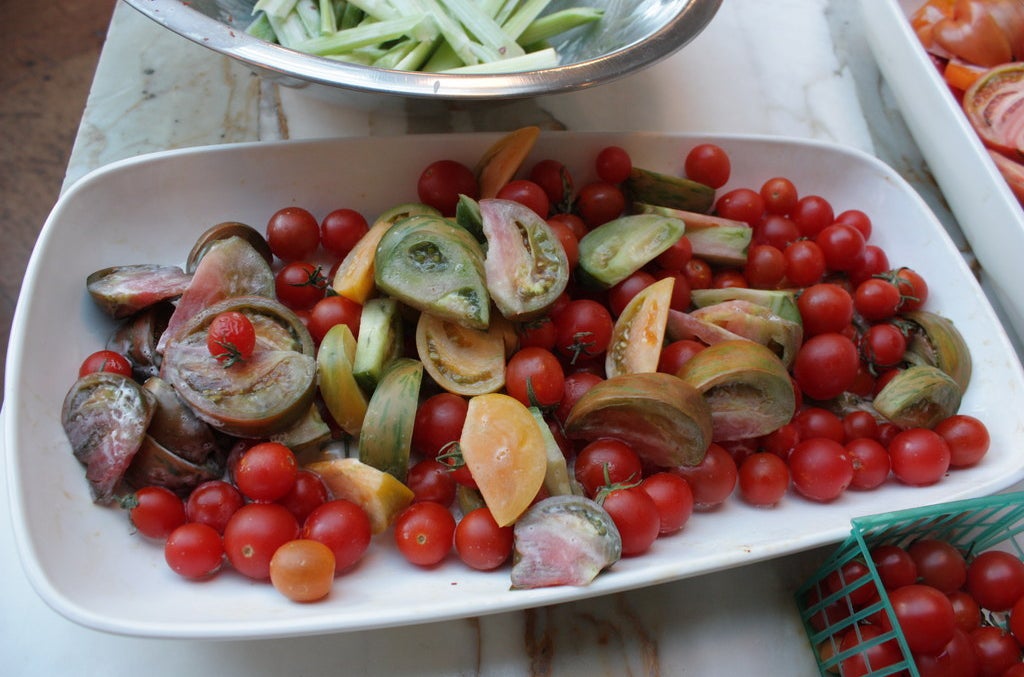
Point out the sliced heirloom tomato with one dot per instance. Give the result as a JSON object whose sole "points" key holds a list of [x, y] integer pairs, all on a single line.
{"points": [[995, 106], [385, 440], [665, 420], [435, 266], [506, 453], [639, 331], [337, 381], [502, 160], [615, 250], [461, 360], [526, 266], [260, 397]]}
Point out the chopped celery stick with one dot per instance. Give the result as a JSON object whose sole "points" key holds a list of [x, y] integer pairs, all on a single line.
{"points": [[261, 28], [545, 58], [483, 27], [523, 17], [361, 36], [278, 9], [328, 17], [490, 7], [451, 30], [351, 16], [418, 56], [352, 57], [444, 58], [559, 22], [390, 58], [290, 31], [507, 7], [309, 13], [378, 9]]}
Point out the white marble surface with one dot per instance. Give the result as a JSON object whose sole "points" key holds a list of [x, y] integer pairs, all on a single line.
{"points": [[789, 67]]}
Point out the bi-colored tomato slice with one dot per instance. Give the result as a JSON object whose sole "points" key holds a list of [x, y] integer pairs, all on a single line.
{"points": [[995, 107], [461, 360], [338, 386], [640, 331], [505, 451]]}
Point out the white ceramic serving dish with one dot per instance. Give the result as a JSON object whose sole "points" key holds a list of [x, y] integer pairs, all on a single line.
{"points": [[988, 213], [84, 560]]}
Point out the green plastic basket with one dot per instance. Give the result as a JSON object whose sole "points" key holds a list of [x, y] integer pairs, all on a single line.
{"points": [[973, 525]]}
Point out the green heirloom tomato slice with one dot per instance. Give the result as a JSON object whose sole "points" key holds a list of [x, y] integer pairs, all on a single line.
{"points": [[338, 385], [526, 266], [666, 420], [639, 331], [435, 266], [615, 250], [386, 436], [257, 397]]}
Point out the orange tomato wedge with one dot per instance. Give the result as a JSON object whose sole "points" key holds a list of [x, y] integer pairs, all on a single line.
{"points": [[501, 161], [640, 331], [961, 75], [505, 450]]}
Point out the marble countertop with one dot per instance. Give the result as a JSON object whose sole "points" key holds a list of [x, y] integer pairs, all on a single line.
{"points": [[798, 68]]}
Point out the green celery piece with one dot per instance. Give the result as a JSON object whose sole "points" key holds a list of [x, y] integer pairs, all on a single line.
{"points": [[378, 9], [351, 16], [309, 13], [415, 59], [545, 58], [362, 36], [443, 59], [261, 28], [390, 58], [290, 31], [277, 9], [453, 32], [546, 27], [506, 10], [328, 17], [485, 29], [523, 17]]}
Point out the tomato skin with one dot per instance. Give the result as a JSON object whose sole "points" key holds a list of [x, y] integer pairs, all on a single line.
{"points": [[821, 469], [712, 480], [534, 376], [873, 262], [438, 423], [709, 164], [805, 263], [939, 564], [442, 182], [622, 293], [194, 550], [765, 267], [925, 615], [480, 543], [776, 230], [307, 494], [231, 338], [300, 284], [613, 164], [812, 214], [843, 246], [871, 464], [741, 204], [825, 307], [555, 178], [876, 299], [920, 457], [266, 471], [293, 234], [826, 365], [957, 659], [606, 461], [675, 257], [894, 565], [763, 479], [527, 193], [995, 579], [636, 516], [878, 656], [967, 438], [584, 329], [430, 480], [913, 289], [155, 511], [253, 535], [302, 570], [883, 345], [341, 229], [857, 219], [333, 310], [996, 649], [599, 202], [343, 527], [673, 497], [106, 360], [677, 353], [818, 422], [570, 241], [779, 194], [213, 503], [424, 533], [576, 384]]}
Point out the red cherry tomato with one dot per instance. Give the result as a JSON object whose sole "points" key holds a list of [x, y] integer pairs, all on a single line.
{"points": [[106, 360], [343, 527], [424, 533], [480, 543], [155, 511], [293, 234], [266, 472], [341, 229], [231, 338], [709, 164], [254, 533], [194, 550]]}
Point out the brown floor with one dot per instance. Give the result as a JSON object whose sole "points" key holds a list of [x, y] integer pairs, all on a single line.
{"points": [[46, 68]]}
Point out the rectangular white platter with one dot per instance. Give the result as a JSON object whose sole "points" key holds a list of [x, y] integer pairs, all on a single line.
{"points": [[988, 213], [84, 560]]}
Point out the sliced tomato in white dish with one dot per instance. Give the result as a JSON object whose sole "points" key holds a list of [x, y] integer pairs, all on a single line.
{"points": [[994, 104], [1013, 172]]}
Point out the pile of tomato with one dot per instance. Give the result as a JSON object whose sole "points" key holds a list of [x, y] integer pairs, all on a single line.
{"points": [[272, 519], [961, 614]]}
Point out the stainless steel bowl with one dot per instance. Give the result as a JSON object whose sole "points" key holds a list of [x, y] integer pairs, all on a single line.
{"points": [[632, 35]]}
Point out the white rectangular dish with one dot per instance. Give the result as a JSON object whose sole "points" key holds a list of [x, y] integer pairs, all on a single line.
{"points": [[84, 560], [988, 213]]}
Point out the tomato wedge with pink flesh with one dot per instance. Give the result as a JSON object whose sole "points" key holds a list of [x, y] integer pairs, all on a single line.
{"points": [[994, 104]]}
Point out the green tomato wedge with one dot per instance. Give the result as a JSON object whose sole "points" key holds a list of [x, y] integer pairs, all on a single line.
{"points": [[434, 266], [615, 250], [526, 266], [338, 386], [386, 437], [639, 331], [666, 420], [379, 342]]}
